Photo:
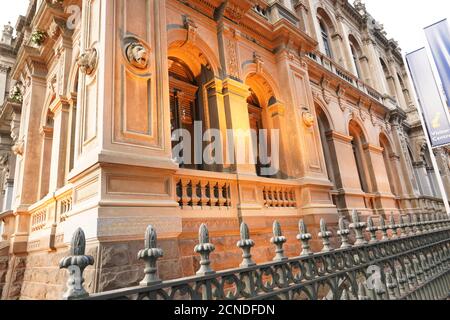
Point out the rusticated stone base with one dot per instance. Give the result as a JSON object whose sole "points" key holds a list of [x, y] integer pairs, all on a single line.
{"points": [[4, 262], [43, 280], [14, 278]]}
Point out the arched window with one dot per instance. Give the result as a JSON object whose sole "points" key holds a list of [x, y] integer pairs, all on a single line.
{"points": [[325, 39], [404, 89], [389, 80], [357, 53], [256, 123], [184, 106], [261, 97], [324, 128], [358, 152], [356, 61]]}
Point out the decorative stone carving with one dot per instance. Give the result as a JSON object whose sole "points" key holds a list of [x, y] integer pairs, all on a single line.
{"points": [[52, 85], [18, 148], [258, 61], [341, 94], [88, 61], [137, 55], [233, 65], [191, 28], [308, 119]]}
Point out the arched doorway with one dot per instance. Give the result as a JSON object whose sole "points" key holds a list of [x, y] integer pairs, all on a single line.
{"points": [[188, 108], [260, 98]]}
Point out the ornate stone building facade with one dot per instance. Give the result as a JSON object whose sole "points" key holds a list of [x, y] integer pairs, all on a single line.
{"points": [[100, 85]]}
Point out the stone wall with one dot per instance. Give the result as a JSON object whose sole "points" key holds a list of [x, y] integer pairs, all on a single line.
{"points": [[4, 262], [42, 278]]}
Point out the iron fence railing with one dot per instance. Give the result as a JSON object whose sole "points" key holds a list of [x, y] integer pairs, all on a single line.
{"points": [[403, 260]]}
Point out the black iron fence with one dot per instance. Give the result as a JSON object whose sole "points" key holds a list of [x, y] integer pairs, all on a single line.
{"points": [[407, 259]]}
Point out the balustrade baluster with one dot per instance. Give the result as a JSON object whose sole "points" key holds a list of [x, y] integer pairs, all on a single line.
{"points": [[221, 200], [203, 198], [196, 200], [185, 199], [228, 192]]}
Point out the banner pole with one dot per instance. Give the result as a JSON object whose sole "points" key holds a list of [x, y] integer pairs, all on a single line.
{"points": [[430, 149]]}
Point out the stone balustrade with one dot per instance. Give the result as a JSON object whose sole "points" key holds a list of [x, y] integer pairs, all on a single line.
{"points": [[276, 196], [45, 210], [39, 219], [328, 64], [199, 192], [412, 263]]}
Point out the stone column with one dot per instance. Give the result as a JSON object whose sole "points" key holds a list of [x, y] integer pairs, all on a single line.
{"points": [[365, 69], [345, 43], [217, 116], [384, 200], [303, 11], [424, 180], [351, 195], [396, 84], [3, 82], [235, 102], [28, 149], [378, 78], [45, 161], [377, 169], [407, 178], [61, 127]]}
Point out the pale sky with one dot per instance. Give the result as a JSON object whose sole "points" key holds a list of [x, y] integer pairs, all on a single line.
{"points": [[404, 20], [11, 10]]}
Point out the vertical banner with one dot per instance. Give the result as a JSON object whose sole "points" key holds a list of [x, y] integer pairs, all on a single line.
{"points": [[438, 36], [433, 108]]}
